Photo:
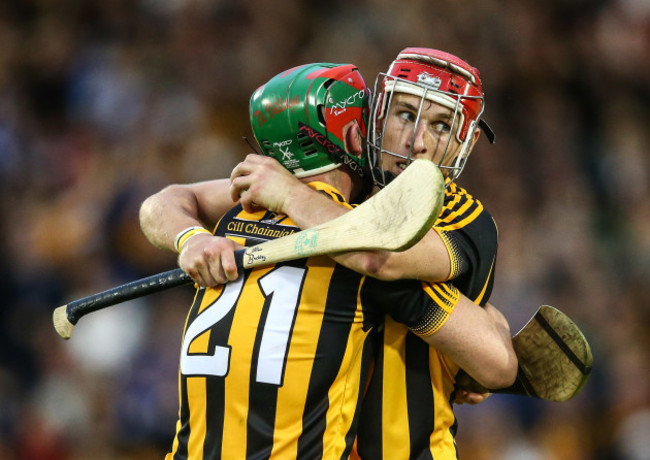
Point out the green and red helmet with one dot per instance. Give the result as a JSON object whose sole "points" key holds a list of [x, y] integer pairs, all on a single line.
{"points": [[299, 115]]}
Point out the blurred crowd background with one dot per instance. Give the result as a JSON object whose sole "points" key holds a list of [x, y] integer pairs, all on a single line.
{"points": [[103, 102]]}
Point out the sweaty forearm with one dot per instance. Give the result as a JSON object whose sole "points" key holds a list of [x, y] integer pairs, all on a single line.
{"points": [[501, 326], [427, 260], [166, 213], [180, 206], [478, 340], [308, 207]]}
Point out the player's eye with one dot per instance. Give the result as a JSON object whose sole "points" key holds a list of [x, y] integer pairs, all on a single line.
{"points": [[441, 127], [406, 116]]}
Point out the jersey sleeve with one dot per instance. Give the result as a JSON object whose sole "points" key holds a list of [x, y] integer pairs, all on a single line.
{"points": [[422, 307], [471, 236]]}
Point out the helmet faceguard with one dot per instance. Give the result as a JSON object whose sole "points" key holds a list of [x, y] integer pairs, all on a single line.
{"points": [[299, 116], [434, 76]]}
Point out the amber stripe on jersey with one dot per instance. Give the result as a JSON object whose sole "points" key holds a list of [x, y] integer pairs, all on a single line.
{"points": [[300, 402], [445, 297], [310, 413], [407, 411], [459, 208]]}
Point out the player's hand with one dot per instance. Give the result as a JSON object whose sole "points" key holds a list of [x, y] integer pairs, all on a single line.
{"points": [[261, 181], [467, 397], [209, 260], [469, 391]]}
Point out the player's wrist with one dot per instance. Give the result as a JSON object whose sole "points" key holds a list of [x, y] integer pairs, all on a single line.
{"points": [[184, 235], [300, 200]]}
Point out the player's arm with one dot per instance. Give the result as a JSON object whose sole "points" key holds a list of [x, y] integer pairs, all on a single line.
{"points": [[208, 259], [263, 181], [476, 338]]}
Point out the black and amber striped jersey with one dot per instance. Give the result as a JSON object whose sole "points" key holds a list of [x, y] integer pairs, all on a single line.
{"points": [[273, 364], [407, 410]]}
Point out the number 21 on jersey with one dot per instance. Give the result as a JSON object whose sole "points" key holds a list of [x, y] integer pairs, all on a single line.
{"points": [[283, 286]]}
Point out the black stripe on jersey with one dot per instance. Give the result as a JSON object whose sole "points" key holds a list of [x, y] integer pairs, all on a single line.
{"points": [[261, 407], [369, 352], [332, 341], [335, 196], [215, 388], [419, 397], [183, 434], [263, 396], [369, 435]]}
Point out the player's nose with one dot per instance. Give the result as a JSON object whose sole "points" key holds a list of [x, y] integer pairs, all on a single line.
{"points": [[418, 140]]}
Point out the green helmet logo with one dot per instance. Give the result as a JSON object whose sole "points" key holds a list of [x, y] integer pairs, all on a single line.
{"points": [[298, 116]]}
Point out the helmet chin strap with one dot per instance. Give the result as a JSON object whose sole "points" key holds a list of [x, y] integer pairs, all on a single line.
{"points": [[342, 158]]}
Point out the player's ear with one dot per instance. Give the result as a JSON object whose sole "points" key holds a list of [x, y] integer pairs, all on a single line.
{"points": [[352, 139], [477, 134]]}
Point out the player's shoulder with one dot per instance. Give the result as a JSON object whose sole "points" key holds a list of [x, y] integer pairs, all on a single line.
{"points": [[331, 192], [461, 208]]}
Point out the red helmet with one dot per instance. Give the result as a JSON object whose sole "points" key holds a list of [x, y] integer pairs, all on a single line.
{"points": [[439, 77], [443, 72]]}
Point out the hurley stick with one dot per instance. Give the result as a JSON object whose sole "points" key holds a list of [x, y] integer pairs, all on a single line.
{"points": [[554, 356], [394, 220]]}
